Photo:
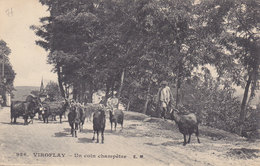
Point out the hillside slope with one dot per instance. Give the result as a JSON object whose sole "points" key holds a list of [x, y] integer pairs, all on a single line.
{"points": [[21, 92]]}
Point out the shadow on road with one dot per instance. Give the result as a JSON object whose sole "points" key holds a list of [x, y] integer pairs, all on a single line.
{"points": [[168, 143], [85, 140], [17, 123], [51, 122], [172, 143], [86, 131], [62, 134], [65, 133], [151, 144]]}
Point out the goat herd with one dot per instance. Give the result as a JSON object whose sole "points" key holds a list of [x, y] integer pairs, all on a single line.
{"points": [[77, 115], [187, 124]]}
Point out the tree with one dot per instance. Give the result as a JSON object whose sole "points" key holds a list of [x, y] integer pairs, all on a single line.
{"points": [[6, 70], [53, 91], [61, 34], [108, 44], [235, 34]]}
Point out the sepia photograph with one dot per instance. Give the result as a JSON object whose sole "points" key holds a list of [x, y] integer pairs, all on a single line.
{"points": [[129, 82]]}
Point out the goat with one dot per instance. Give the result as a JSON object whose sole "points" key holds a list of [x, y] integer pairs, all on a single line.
{"points": [[58, 109], [82, 117], [88, 111], [99, 124], [187, 124], [23, 108], [90, 108], [45, 112], [74, 119], [116, 116]]}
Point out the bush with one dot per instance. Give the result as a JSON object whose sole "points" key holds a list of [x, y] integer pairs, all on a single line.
{"points": [[251, 124], [216, 106]]}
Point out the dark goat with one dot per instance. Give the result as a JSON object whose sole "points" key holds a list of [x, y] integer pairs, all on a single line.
{"points": [[45, 112], [188, 124], [99, 124], [61, 111], [74, 120], [58, 109], [24, 109], [90, 108], [116, 116], [82, 117]]}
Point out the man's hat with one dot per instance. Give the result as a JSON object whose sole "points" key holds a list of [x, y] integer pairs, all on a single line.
{"points": [[164, 83]]}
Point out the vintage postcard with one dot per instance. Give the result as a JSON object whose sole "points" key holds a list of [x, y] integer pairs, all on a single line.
{"points": [[130, 82]]}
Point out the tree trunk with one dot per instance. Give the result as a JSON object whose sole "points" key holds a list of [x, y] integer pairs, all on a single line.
{"points": [[147, 99], [4, 96], [177, 98], [128, 105], [62, 91], [84, 91], [4, 83], [90, 91], [113, 86], [121, 86], [243, 106], [107, 92], [74, 93], [178, 84], [66, 92]]}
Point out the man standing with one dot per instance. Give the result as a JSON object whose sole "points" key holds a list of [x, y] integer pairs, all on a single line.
{"points": [[165, 98]]}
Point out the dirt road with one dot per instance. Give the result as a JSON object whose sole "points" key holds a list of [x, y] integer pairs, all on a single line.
{"points": [[143, 141]]}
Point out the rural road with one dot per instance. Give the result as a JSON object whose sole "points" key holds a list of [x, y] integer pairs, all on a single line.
{"points": [[143, 141]]}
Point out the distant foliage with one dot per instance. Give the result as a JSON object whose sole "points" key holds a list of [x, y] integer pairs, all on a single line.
{"points": [[6, 83], [52, 90]]}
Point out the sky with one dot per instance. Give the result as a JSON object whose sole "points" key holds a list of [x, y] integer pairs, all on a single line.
{"points": [[29, 60]]}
